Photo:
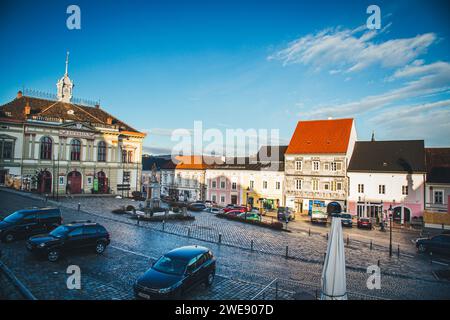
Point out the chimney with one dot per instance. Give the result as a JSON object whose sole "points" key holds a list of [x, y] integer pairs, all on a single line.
{"points": [[19, 94], [109, 120], [97, 106], [27, 109]]}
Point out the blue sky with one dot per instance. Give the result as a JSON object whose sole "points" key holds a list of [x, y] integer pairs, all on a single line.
{"points": [[161, 65]]}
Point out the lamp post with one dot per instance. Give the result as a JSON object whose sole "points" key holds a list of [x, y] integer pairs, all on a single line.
{"points": [[390, 230]]}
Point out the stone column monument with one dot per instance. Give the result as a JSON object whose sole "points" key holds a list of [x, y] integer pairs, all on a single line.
{"points": [[153, 199]]}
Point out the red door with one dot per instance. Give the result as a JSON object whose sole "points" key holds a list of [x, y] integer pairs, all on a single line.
{"points": [[102, 182], [44, 182], [74, 182]]}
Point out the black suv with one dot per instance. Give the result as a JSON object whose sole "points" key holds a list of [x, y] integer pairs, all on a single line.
{"points": [[70, 237], [437, 244], [27, 222], [176, 272]]}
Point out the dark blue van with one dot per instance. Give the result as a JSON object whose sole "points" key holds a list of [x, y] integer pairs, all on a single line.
{"points": [[27, 222]]}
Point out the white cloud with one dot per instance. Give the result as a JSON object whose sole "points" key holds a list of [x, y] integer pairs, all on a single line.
{"points": [[350, 51]]}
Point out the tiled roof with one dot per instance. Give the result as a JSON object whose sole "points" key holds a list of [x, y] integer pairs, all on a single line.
{"points": [[438, 165], [50, 109], [388, 156], [271, 153], [321, 136], [186, 162]]}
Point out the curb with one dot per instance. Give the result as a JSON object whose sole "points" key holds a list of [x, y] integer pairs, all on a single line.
{"points": [[22, 288]]}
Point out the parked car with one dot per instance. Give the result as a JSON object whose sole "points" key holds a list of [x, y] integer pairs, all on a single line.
{"points": [[209, 204], [285, 213], [250, 216], [27, 222], [346, 220], [213, 210], [319, 217], [176, 272], [437, 244], [197, 206], [234, 213], [70, 237], [235, 208], [364, 223]]}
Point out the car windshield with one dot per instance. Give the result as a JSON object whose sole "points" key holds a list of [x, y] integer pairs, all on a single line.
{"points": [[170, 265], [16, 216], [346, 216], [60, 232]]}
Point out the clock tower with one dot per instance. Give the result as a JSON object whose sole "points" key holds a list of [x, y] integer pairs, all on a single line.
{"points": [[65, 85]]}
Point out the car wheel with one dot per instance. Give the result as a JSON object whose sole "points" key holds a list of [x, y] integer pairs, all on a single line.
{"points": [[100, 247], [9, 237], [53, 255], [422, 248], [209, 279]]}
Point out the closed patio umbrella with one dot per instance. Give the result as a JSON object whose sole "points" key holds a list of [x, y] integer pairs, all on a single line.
{"points": [[334, 282]]}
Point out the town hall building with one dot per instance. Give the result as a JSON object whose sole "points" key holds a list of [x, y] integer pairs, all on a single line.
{"points": [[57, 146]]}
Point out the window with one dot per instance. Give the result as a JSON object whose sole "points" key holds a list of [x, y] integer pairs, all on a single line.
{"points": [[46, 148], [405, 190], [101, 151], [316, 165], [339, 186], [438, 197], [234, 186], [6, 149], [326, 186], [264, 184], [333, 186], [222, 184], [75, 150], [360, 188], [278, 185], [382, 189], [126, 176], [336, 166], [214, 184], [130, 156], [252, 184], [222, 199], [315, 185], [326, 166], [124, 156], [298, 166], [76, 232], [214, 198], [298, 184]]}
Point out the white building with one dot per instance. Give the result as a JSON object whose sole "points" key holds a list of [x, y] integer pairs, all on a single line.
{"points": [[387, 174]]}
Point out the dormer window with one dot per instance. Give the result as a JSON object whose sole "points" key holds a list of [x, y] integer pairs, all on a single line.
{"points": [[70, 112]]}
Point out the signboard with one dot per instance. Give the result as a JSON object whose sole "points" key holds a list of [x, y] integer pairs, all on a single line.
{"points": [[123, 187], [78, 134], [317, 206], [95, 184]]}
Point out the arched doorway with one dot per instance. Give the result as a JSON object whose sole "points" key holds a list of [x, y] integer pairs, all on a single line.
{"points": [[401, 214], [74, 182], [334, 207], [44, 182], [102, 182]]}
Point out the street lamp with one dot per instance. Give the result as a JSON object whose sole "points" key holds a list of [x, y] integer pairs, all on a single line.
{"points": [[390, 230]]}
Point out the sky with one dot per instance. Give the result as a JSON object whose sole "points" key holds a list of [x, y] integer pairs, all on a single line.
{"points": [[162, 65]]}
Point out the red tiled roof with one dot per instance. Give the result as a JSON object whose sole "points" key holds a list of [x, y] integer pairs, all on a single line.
{"points": [[190, 162], [321, 136]]}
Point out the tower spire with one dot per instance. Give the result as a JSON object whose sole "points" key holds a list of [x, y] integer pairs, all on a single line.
{"points": [[67, 63]]}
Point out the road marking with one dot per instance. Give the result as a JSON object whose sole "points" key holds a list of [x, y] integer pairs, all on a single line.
{"points": [[440, 263], [133, 252]]}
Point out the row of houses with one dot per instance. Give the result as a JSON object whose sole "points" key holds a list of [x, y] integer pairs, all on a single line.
{"points": [[324, 167]]}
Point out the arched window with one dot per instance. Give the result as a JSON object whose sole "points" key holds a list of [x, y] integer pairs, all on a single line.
{"points": [[130, 156], [46, 148], [101, 152], [75, 150]]}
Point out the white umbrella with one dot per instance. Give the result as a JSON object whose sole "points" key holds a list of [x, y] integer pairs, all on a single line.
{"points": [[334, 282]]}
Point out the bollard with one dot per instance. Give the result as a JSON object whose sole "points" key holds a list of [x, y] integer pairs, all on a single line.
{"points": [[79, 206], [348, 240], [137, 220], [309, 232], [370, 244], [378, 262], [220, 238], [327, 235], [287, 252], [431, 257], [189, 232], [163, 225], [324, 256], [251, 245], [398, 251], [276, 290]]}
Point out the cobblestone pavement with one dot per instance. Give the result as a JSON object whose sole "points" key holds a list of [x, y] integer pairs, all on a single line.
{"points": [[241, 273]]}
